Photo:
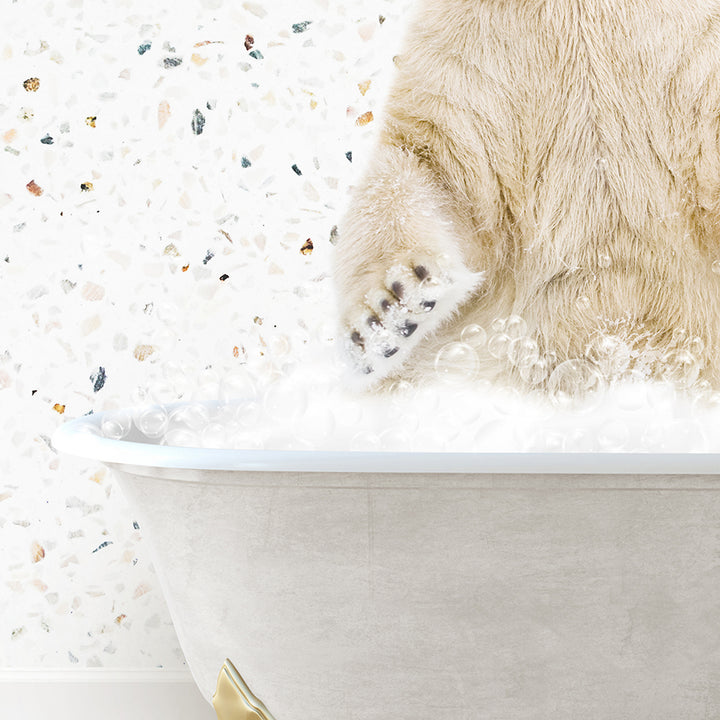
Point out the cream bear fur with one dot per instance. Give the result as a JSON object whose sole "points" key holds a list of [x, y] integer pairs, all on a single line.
{"points": [[554, 159]]}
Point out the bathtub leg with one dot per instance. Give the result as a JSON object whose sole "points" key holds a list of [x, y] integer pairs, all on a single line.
{"points": [[233, 699]]}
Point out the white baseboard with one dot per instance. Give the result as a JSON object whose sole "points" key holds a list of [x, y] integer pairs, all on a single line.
{"points": [[101, 694]]}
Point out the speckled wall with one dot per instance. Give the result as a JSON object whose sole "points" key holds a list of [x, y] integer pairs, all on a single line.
{"points": [[170, 176]]}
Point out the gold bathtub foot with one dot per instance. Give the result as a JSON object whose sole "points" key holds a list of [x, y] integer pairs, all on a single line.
{"points": [[233, 699]]}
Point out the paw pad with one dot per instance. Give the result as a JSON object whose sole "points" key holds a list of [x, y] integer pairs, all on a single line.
{"points": [[407, 302]]}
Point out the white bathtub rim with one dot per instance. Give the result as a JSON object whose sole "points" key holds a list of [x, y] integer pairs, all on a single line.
{"points": [[74, 438]]}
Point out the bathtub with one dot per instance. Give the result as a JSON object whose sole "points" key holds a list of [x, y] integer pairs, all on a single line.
{"points": [[369, 585]]}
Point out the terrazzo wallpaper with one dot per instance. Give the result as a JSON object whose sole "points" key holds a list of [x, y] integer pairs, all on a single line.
{"points": [[170, 177]]}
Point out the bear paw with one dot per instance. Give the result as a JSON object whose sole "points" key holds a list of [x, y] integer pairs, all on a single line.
{"points": [[410, 301]]}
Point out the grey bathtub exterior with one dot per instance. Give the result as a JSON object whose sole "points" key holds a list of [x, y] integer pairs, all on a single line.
{"points": [[368, 592]]}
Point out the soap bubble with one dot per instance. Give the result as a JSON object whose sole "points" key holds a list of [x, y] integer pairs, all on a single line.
{"points": [[162, 392], [225, 413], [214, 435], [180, 437], [679, 336], [404, 414], [523, 350], [236, 385], [498, 325], [604, 260], [140, 395], [574, 380], [685, 436], [464, 405], [456, 362], [546, 440], [279, 346], [715, 267], [653, 438], [499, 345], [285, 400], [504, 402], [365, 441], [318, 424], [677, 436], [247, 414], [647, 361], [613, 436], [696, 346], [583, 303], [534, 370], [178, 379], [350, 412], [479, 434], [193, 416], [579, 440], [681, 368], [266, 372], [632, 394], [399, 388], [152, 421], [116, 425], [515, 327], [662, 396], [207, 385], [396, 439], [427, 400], [474, 335], [609, 353], [705, 399]]}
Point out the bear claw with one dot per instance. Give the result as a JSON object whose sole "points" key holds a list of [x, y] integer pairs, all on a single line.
{"points": [[396, 309]]}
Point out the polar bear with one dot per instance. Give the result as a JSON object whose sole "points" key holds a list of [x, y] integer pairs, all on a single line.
{"points": [[555, 161]]}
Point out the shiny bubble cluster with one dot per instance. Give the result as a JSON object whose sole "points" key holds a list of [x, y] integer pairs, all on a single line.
{"points": [[293, 414], [457, 362], [607, 358], [575, 379], [277, 404], [610, 354]]}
